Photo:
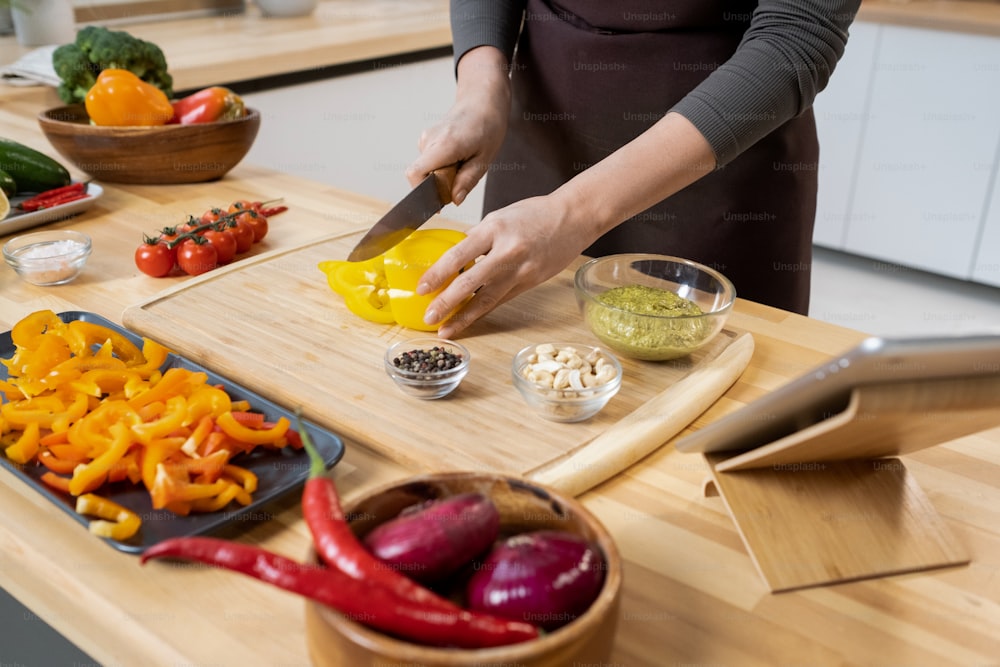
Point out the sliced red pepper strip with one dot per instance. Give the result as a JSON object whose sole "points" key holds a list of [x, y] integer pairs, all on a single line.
{"points": [[53, 202], [249, 419], [377, 606], [72, 188]]}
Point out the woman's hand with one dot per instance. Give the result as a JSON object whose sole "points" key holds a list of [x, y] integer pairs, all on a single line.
{"points": [[473, 129], [517, 247]]}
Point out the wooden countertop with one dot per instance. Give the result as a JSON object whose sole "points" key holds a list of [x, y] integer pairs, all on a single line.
{"points": [[229, 48], [691, 595], [979, 17]]}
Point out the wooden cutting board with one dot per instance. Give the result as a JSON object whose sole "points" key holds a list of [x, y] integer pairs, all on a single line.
{"points": [[272, 324]]}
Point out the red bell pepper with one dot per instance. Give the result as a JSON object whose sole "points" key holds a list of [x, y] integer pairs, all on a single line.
{"points": [[208, 106]]}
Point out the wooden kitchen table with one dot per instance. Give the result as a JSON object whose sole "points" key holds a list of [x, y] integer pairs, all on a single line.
{"points": [[691, 593]]}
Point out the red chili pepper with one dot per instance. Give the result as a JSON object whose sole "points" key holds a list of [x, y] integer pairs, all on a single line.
{"points": [[53, 202], [46, 199], [268, 212], [336, 543], [379, 607]]}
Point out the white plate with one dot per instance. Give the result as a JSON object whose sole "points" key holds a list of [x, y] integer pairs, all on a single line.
{"points": [[18, 220]]}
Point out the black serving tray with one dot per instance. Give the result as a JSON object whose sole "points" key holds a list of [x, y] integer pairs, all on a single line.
{"points": [[279, 472]]}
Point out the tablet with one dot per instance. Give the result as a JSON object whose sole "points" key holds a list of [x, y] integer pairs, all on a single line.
{"points": [[825, 390]]}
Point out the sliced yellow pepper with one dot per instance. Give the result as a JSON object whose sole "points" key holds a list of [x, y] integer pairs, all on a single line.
{"points": [[253, 436], [383, 289], [114, 521], [169, 421], [87, 474], [83, 335], [26, 446]]}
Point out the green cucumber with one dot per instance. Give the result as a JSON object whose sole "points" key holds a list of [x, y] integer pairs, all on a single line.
{"points": [[31, 170], [7, 184]]}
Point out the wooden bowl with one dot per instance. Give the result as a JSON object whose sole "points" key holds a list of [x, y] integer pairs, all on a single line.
{"points": [[334, 640], [161, 155]]}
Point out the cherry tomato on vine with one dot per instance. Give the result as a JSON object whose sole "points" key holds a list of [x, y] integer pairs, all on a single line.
{"points": [[245, 205], [257, 222], [224, 243], [196, 256], [155, 258], [243, 233], [212, 215]]}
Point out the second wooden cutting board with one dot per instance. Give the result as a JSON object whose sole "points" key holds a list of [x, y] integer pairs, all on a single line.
{"points": [[274, 325]]}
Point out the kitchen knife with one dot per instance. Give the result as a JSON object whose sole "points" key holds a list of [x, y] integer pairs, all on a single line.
{"points": [[416, 208]]}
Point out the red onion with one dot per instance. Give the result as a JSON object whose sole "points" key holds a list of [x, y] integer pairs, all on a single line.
{"points": [[433, 539], [544, 577]]}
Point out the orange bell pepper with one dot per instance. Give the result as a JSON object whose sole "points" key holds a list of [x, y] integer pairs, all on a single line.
{"points": [[120, 98]]}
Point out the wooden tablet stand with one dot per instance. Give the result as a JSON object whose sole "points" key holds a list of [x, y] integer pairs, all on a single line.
{"points": [[831, 503]]}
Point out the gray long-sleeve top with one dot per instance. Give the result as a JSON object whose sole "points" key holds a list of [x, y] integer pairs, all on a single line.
{"points": [[783, 61]]}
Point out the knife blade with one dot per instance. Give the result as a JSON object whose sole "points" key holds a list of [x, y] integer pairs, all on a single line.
{"points": [[416, 208]]}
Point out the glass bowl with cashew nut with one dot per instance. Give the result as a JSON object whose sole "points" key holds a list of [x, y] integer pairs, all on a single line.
{"points": [[566, 382]]}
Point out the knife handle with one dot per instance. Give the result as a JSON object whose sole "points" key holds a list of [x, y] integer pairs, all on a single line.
{"points": [[445, 178]]}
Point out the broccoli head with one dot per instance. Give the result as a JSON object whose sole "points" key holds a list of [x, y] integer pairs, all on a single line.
{"points": [[96, 49]]}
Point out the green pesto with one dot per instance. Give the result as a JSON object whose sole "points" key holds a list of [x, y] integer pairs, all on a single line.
{"points": [[640, 322], [645, 300]]}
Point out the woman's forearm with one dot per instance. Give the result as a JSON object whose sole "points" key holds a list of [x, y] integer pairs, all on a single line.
{"points": [[664, 159]]}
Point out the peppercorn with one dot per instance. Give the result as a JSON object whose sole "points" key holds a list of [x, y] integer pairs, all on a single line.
{"points": [[435, 360]]}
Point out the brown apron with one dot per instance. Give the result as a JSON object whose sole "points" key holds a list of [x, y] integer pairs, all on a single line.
{"points": [[589, 76]]}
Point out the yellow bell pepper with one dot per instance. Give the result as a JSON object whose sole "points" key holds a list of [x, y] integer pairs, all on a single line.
{"points": [[169, 421], [120, 98], [26, 446], [82, 336], [252, 436], [114, 521], [86, 474], [383, 289]]}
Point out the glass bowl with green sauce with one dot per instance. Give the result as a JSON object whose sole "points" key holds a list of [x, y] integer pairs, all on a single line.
{"points": [[652, 307]]}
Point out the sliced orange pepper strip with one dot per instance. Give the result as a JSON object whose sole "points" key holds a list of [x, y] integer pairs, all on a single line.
{"points": [[56, 464], [153, 455]]}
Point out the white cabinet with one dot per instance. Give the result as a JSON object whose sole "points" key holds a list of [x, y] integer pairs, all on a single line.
{"points": [[927, 149], [840, 111], [986, 268]]}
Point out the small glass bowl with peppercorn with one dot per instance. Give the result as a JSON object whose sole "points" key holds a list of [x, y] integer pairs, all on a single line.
{"points": [[652, 307], [566, 382], [427, 367]]}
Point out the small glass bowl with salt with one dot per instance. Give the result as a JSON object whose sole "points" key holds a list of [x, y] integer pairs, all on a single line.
{"points": [[51, 257]]}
